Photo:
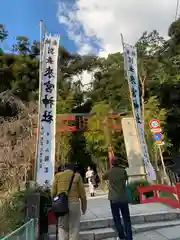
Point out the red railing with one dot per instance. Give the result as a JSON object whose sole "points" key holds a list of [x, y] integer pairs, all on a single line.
{"points": [[171, 201]]}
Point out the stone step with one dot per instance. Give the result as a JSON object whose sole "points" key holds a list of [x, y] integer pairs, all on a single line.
{"points": [[96, 234], [137, 228], [141, 236], [104, 233], [136, 219]]}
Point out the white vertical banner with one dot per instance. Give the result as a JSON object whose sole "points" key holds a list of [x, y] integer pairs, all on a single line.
{"points": [[130, 58], [47, 125]]}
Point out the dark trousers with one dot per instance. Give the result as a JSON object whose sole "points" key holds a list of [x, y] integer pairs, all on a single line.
{"points": [[126, 231]]}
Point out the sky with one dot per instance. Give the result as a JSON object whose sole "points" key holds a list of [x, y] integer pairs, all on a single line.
{"points": [[22, 17], [87, 26]]}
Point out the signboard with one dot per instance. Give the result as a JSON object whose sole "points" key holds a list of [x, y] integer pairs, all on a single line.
{"points": [[156, 129], [130, 58], [154, 124], [157, 136], [47, 113]]}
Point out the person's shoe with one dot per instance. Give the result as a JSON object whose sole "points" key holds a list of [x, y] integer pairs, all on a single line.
{"points": [[118, 238]]}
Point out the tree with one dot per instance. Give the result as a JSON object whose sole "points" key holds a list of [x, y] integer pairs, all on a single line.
{"points": [[35, 48], [153, 111], [172, 46], [99, 136], [3, 33], [17, 148], [109, 79], [148, 47], [63, 139], [22, 46]]}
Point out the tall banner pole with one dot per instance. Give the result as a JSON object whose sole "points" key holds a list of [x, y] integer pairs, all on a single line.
{"points": [[130, 92], [40, 87], [130, 64], [47, 112]]}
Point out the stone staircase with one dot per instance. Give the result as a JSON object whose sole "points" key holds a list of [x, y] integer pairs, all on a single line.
{"points": [[103, 228]]}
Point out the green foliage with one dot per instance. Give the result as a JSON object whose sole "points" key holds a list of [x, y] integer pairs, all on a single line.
{"points": [[3, 33], [153, 111], [13, 209], [109, 84], [98, 136], [133, 186], [22, 46]]}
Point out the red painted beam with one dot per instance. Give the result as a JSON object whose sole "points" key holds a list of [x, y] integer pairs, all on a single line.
{"points": [[156, 188]]}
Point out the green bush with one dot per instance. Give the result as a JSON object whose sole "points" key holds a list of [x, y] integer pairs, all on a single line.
{"points": [[13, 209], [133, 186], [12, 212]]}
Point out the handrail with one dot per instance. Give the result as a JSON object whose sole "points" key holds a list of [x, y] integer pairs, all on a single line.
{"points": [[25, 226], [159, 187], [173, 176]]}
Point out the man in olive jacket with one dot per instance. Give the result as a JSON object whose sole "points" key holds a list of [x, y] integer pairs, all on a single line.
{"points": [[117, 177], [69, 225]]}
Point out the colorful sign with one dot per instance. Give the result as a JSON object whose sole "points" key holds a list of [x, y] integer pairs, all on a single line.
{"points": [[130, 59], [47, 112], [156, 129], [154, 124], [157, 136]]}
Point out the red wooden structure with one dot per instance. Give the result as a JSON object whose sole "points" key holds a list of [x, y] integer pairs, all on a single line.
{"points": [[157, 198], [79, 122]]}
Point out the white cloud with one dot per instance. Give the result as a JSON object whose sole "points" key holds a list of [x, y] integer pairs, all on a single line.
{"points": [[86, 77], [91, 21], [68, 15]]}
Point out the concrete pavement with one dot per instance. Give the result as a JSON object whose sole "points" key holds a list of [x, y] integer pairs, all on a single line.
{"points": [[99, 208]]}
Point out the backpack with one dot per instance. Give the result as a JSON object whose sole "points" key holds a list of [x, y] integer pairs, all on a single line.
{"points": [[95, 180], [60, 206]]}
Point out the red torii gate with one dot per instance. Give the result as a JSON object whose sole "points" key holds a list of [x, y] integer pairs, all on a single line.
{"points": [[79, 122]]}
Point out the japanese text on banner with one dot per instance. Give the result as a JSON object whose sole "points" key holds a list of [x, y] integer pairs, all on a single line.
{"points": [[46, 148], [130, 58]]}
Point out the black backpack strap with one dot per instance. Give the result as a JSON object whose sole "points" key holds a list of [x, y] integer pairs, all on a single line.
{"points": [[71, 182], [57, 232]]}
